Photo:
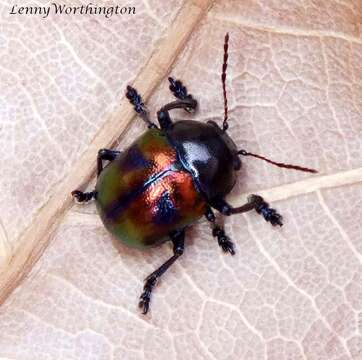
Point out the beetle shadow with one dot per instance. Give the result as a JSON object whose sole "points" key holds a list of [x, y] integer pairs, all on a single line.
{"points": [[191, 235], [147, 255]]}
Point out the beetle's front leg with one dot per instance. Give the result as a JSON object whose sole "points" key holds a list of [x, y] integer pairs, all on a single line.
{"points": [[177, 238], [164, 117], [217, 231], [136, 100], [185, 101], [255, 202]]}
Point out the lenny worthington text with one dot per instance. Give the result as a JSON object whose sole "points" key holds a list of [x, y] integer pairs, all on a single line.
{"points": [[62, 9]]}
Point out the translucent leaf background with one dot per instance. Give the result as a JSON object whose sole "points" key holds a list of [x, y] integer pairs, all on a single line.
{"points": [[294, 84]]}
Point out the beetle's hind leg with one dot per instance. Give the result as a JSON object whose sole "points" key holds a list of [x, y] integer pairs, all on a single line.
{"points": [[217, 231], [255, 202], [177, 239], [136, 100]]}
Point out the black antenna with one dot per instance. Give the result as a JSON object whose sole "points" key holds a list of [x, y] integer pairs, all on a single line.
{"points": [[282, 165], [225, 125]]}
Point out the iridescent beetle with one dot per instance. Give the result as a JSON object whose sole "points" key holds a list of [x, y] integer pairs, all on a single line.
{"points": [[170, 177]]}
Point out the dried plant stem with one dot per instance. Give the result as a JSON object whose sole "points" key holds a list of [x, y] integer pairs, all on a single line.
{"points": [[306, 186], [36, 237]]}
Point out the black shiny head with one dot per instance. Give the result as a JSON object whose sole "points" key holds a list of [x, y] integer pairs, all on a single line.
{"points": [[209, 154], [206, 150]]}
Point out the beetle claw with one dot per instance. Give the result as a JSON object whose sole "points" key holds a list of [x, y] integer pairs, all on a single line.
{"points": [[276, 219], [81, 197], [145, 297], [223, 240], [227, 246], [144, 304]]}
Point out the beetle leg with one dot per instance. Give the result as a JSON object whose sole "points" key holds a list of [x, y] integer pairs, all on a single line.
{"points": [[105, 154], [255, 202], [81, 197], [177, 238], [136, 100], [185, 101], [218, 232], [164, 117]]}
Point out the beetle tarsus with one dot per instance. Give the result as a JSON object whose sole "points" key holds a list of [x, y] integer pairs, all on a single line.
{"points": [[269, 214], [136, 100], [217, 231], [180, 92], [178, 89], [223, 240], [82, 197]]}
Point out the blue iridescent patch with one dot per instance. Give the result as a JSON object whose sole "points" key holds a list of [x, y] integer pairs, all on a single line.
{"points": [[166, 211], [134, 160]]}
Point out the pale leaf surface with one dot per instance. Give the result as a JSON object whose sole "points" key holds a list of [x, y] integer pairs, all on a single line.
{"points": [[294, 84]]}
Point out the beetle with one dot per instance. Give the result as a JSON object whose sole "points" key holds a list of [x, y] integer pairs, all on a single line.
{"points": [[170, 177]]}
